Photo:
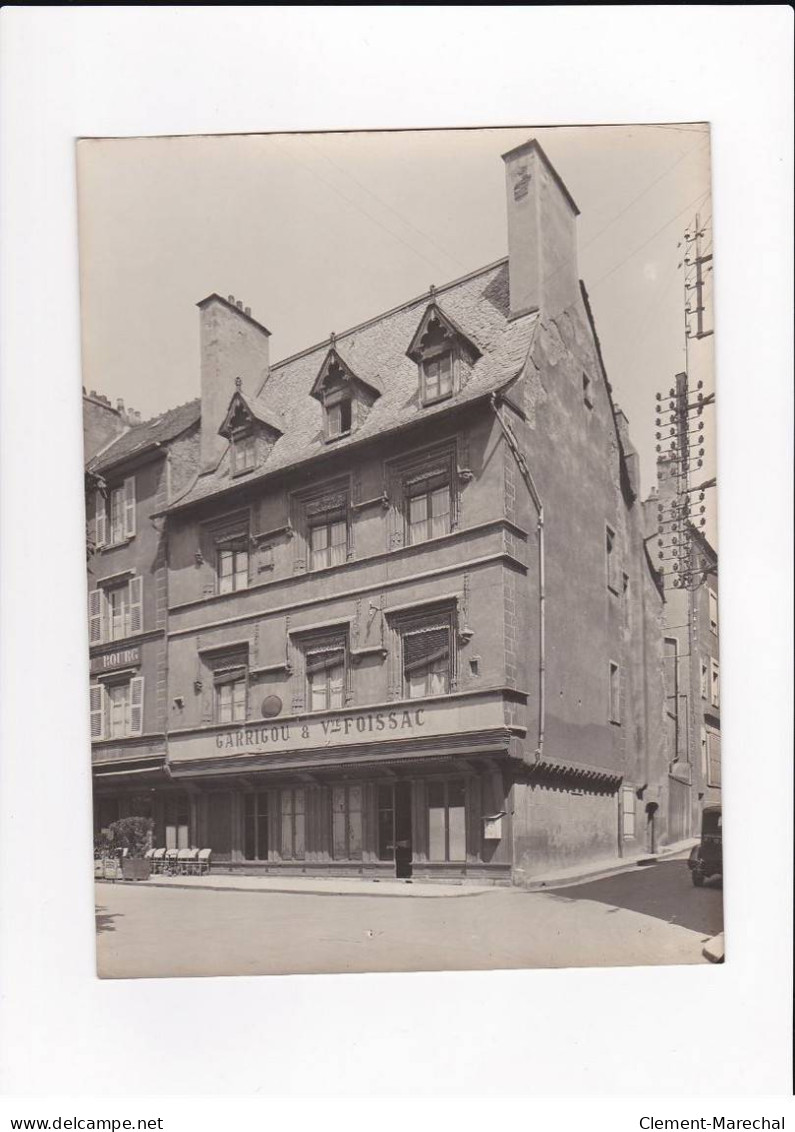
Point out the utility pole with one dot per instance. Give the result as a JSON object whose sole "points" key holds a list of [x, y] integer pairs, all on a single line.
{"points": [[681, 508], [700, 265]]}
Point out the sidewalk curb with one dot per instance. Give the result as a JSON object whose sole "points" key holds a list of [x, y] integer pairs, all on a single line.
{"points": [[552, 883], [304, 891], [421, 891]]}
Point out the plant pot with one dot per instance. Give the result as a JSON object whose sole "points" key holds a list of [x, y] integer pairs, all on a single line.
{"points": [[135, 868]]}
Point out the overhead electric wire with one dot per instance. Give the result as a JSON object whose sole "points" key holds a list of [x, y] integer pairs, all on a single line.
{"points": [[653, 236], [384, 204]]}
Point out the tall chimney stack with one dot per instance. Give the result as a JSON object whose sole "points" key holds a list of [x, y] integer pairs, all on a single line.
{"points": [[542, 234], [233, 344]]}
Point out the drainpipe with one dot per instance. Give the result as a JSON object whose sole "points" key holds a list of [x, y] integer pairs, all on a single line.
{"points": [[528, 479]]}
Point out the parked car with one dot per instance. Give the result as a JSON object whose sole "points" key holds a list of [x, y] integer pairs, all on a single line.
{"points": [[706, 858]]}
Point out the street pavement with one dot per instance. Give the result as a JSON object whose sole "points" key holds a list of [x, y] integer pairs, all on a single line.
{"points": [[650, 915]]}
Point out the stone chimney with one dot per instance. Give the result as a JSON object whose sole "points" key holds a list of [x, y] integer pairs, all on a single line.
{"points": [[233, 344], [542, 234]]}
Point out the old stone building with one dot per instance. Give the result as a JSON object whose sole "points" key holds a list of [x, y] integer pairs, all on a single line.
{"points": [[128, 479], [401, 612]]}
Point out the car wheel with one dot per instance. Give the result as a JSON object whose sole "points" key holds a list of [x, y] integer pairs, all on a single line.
{"points": [[698, 879]]}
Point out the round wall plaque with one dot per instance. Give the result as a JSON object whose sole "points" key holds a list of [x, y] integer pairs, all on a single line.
{"points": [[271, 706]]}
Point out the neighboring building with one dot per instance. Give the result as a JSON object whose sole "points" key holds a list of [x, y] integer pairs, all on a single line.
{"points": [[101, 423], [412, 625], [692, 676], [127, 482]]}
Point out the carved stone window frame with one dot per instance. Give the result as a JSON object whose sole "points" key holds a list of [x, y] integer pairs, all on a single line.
{"points": [[302, 643], [221, 533], [424, 617], [401, 472], [308, 503]]}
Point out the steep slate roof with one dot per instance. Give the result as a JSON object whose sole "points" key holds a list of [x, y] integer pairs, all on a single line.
{"points": [[140, 437], [376, 351]]}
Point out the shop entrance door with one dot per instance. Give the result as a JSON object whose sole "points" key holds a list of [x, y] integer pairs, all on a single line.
{"points": [[403, 844], [394, 826]]}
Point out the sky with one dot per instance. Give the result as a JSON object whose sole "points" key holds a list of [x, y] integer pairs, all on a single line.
{"points": [[318, 232]]}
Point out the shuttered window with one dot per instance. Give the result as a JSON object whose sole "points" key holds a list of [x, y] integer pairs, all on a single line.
{"points": [[137, 705], [97, 711], [96, 617], [129, 507], [124, 708], [101, 521], [713, 758], [426, 661], [115, 612], [115, 520], [135, 607]]}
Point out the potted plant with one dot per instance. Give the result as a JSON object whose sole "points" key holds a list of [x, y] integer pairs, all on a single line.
{"points": [[135, 835]]}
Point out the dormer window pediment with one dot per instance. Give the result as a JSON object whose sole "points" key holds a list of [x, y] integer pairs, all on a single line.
{"points": [[345, 396], [443, 354], [251, 434]]}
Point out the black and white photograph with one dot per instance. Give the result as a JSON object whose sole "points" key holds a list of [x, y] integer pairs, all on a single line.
{"points": [[396, 428], [403, 636]]}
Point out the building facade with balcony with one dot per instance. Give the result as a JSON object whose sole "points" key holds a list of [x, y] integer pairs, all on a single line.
{"points": [[411, 627]]}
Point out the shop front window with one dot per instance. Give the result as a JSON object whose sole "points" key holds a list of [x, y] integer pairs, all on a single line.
{"points": [[293, 811], [346, 823], [447, 821], [255, 827], [177, 822]]}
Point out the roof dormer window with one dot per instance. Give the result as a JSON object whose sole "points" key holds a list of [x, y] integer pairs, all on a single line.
{"points": [[346, 397], [444, 355], [437, 375], [339, 417], [244, 453], [250, 430]]}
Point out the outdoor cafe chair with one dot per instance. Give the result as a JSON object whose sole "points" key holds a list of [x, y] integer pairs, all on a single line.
{"points": [[203, 860], [158, 857], [171, 861], [186, 859]]}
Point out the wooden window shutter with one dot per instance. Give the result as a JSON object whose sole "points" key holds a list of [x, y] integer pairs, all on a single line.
{"points": [[96, 618], [129, 507], [135, 614], [101, 525], [137, 705], [97, 711]]}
